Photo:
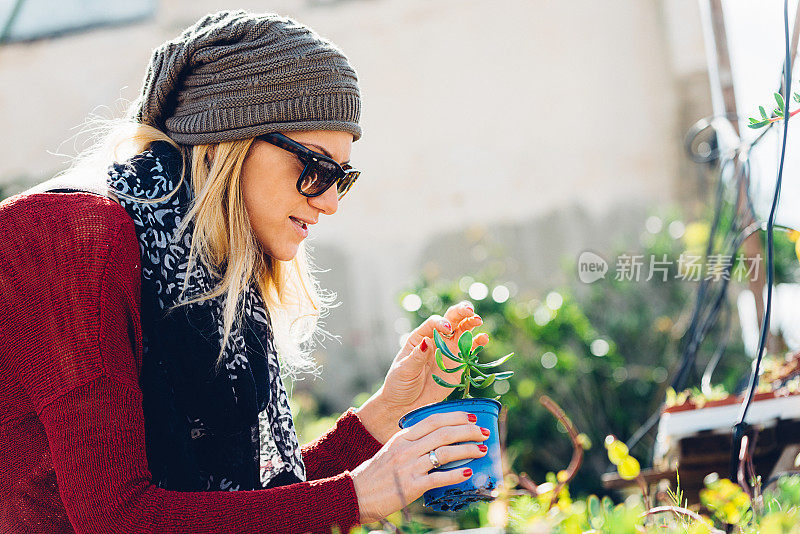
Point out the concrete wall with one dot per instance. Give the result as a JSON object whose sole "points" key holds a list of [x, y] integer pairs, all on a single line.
{"points": [[548, 126]]}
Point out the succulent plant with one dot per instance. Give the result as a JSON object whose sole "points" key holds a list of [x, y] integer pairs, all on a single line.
{"points": [[467, 360]]}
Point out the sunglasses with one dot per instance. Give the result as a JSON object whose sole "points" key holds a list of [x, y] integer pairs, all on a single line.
{"points": [[320, 172]]}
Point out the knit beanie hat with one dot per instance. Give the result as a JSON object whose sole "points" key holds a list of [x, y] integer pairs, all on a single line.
{"points": [[234, 75]]}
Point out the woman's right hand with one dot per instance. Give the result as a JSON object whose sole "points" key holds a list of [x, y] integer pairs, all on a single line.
{"points": [[398, 474]]}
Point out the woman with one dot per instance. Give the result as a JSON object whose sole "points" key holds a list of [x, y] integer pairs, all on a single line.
{"points": [[145, 309]]}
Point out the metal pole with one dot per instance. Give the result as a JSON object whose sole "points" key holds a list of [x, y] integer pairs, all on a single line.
{"points": [[721, 79]]}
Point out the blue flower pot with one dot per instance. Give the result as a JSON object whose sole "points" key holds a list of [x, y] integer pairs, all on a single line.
{"points": [[487, 471]]}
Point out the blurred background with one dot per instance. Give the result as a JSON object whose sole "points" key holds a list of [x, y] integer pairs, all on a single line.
{"points": [[501, 140]]}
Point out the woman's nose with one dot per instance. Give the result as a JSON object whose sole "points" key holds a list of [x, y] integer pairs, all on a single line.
{"points": [[327, 202]]}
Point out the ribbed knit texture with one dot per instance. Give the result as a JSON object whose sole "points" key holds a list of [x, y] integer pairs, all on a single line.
{"points": [[235, 75], [72, 454]]}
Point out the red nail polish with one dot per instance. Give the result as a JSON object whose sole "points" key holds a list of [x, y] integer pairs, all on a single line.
{"points": [[485, 431], [447, 325], [469, 305], [472, 417], [483, 448], [424, 345], [467, 472]]}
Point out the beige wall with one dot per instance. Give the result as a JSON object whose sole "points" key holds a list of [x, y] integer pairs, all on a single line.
{"points": [[550, 125]]}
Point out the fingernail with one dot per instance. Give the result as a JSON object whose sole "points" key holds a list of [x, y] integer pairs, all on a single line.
{"points": [[483, 448], [468, 304], [485, 431], [472, 417], [447, 324], [467, 472], [424, 345]]}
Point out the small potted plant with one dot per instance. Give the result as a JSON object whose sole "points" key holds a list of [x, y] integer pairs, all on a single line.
{"points": [[487, 471]]}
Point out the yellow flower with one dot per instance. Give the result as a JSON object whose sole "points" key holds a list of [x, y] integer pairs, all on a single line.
{"points": [[731, 513], [629, 468], [699, 527], [617, 451], [696, 236], [741, 500]]}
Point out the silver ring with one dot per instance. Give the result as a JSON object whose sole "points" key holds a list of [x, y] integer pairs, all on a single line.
{"points": [[434, 460]]}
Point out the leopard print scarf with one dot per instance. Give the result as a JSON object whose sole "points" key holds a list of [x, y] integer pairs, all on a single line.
{"points": [[205, 430]]}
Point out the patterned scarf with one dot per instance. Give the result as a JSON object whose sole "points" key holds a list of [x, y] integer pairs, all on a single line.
{"points": [[205, 430]]}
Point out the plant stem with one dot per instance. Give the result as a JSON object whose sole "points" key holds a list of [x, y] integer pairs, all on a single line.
{"points": [[792, 114], [577, 448], [643, 488], [677, 510]]}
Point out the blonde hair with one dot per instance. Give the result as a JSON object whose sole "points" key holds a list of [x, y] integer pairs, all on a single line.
{"points": [[223, 240]]}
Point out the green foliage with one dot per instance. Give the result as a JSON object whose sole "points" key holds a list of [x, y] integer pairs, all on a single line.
{"points": [[602, 351], [467, 358], [733, 511], [310, 420], [729, 503], [777, 114], [787, 268]]}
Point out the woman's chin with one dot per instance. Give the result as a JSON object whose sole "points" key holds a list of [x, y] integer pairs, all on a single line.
{"points": [[286, 253]]}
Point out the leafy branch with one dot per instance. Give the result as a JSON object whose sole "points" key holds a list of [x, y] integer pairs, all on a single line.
{"points": [[777, 114], [467, 360]]}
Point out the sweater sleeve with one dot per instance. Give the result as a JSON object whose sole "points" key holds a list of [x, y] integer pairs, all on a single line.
{"points": [[342, 448], [68, 300], [97, 447]]}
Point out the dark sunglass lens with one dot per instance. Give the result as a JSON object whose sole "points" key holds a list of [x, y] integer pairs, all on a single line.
{"points": [[318, 178], [307, 180], [347, 182]]}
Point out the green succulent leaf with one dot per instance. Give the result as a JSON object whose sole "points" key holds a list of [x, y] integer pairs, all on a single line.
{"points": [[445, 383], [477, 371], [758, 124], [440, 363], [763, 112], [465, 344], [437, 339], [797, 97], [505, 375], [486, 382], [780, 101], [495, 363], [777, 112], [478, 350], [595, 511], [753, 121], [476, 382], [439, 360], [608, 504]]}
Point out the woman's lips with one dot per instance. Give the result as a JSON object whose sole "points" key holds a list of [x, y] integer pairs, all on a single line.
{"points": [[301, 227]]}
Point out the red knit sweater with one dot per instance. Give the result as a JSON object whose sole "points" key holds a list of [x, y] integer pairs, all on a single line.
{"points": [[72, 453]]}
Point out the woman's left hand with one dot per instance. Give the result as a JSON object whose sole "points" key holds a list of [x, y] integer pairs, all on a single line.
{"points": [[409, 383]]}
